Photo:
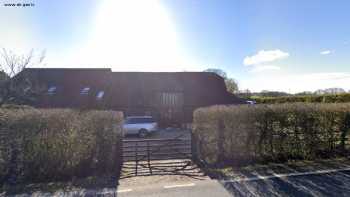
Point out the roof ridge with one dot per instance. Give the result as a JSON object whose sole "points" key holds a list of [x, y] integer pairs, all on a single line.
{"points": [[69, 68]]}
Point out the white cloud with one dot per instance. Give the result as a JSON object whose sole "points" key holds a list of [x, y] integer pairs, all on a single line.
{"points": [[327, 52], [265, 56], [258, 62], [264, 68]]}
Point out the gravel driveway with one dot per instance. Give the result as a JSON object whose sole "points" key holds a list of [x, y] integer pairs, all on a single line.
{"points": [[165, 133]]}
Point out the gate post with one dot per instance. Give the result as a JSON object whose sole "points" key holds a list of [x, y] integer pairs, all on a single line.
{"points": [[136, 159], [194, 148], [148, 158]]}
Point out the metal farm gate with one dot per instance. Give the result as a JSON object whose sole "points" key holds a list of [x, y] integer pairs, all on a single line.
{"points": [[156, 156]]}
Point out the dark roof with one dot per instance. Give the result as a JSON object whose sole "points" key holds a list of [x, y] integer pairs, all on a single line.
{"points": [[201, 88], [69, 69]]}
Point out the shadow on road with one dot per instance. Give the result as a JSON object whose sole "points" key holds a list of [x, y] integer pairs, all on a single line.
{"points": [[334, 184], [183, 167], [252, 181]]}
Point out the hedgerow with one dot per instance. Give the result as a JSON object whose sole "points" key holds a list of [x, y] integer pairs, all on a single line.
{"points": [[279, 132], [58, 144], [336, 98]]}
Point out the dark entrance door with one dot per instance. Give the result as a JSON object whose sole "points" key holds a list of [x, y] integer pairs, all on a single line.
{"points": [[170, 108]]}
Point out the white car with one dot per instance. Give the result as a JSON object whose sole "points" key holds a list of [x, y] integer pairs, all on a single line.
{"points": [[251, 102], [139, 125]]}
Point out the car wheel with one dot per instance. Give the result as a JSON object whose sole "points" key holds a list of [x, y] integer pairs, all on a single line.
{"points": [[143, 133]]}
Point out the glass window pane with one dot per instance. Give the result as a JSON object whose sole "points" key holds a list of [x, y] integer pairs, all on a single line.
{"points": [[100, 94], [51, 90], [85, 90]]}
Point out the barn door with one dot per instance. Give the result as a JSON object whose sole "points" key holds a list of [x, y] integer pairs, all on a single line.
{"points": [[171, 108]]}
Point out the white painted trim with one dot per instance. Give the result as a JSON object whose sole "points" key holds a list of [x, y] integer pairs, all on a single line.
{"points": [[183, 185], [124, 190]]}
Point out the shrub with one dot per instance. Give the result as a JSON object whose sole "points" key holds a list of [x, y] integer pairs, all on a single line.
{"points": [[337, 98], [58, 144], [239, 134]]}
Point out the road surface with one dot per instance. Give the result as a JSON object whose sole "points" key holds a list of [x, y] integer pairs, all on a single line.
{"points": [[334, 183]]}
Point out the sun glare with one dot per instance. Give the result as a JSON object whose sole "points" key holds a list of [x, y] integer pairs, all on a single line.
{"points": [[133, 35]]}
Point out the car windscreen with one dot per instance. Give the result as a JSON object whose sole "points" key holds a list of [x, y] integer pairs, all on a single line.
{"points": [[139, 120]]}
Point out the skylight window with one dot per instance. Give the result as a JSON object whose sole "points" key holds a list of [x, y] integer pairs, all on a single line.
{"points": [[100, 94], [52, 90], [85, 91]]}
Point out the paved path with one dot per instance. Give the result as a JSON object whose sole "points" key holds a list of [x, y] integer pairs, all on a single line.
{"points": [[203, 188]]}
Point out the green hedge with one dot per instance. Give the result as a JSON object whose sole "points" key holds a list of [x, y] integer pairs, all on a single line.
{"points": [[58, 144], [240, 134], [338, 98]]}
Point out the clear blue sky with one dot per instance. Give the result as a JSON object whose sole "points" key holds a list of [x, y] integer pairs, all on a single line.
{"points": [[289, 45]]}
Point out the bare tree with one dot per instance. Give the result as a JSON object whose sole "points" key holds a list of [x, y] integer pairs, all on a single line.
{"points": [[231, 84], [14, 89]]}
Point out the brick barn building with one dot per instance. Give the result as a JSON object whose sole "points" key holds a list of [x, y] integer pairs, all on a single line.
{"points": [[171, 97]]}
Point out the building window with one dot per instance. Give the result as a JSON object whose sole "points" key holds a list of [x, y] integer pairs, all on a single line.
{"points": [[85, 91], [100, 94], [51, 90], [27, 89]]}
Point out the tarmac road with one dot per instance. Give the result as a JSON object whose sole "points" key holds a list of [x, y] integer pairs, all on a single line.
{"points": [[325, 183], [334, 183]]}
